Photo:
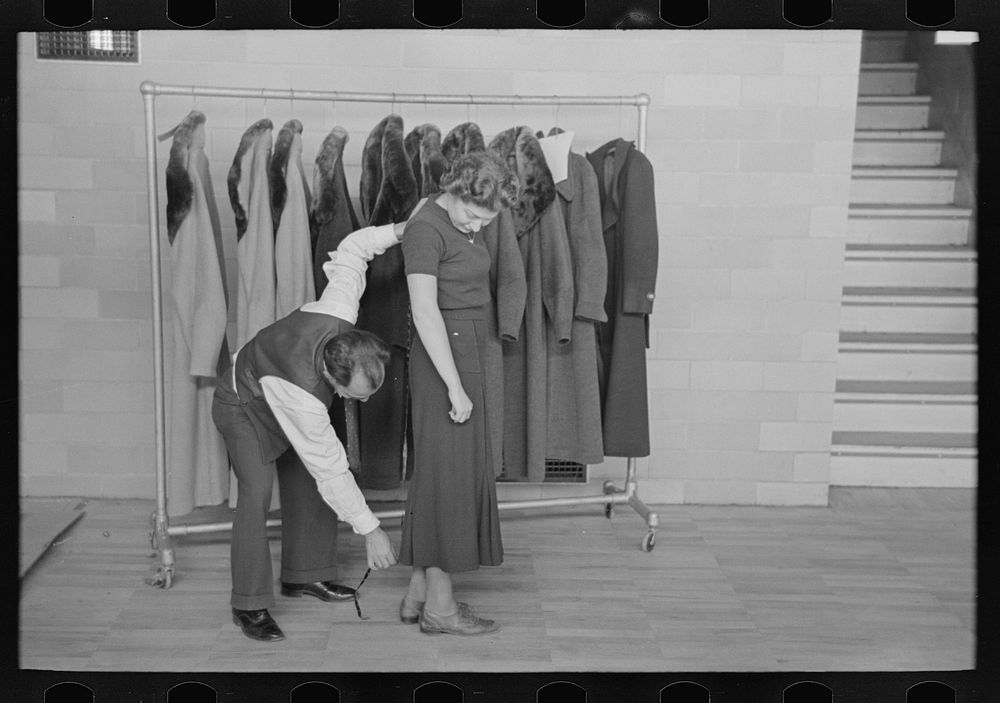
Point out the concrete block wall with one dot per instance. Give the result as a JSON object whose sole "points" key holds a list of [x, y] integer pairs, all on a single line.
{"points": [[750, 134]]}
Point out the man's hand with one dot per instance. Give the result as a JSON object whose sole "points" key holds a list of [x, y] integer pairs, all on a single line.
{"points": [[381, 552], [416, 208], [399, 227]]}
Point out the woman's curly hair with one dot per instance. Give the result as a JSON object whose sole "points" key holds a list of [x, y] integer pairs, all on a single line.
{"points": [[483, 179]]}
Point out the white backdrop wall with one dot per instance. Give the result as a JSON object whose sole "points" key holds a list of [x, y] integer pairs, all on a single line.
{"points": [[750, 134]]}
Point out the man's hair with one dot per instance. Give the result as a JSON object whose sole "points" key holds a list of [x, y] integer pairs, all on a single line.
{"points": [[483, 179], [356, 350]]}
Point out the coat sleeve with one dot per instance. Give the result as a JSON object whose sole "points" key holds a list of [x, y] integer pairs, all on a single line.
{"points": [[557, 272], [590, 258], [641, 240], [507, 271]]}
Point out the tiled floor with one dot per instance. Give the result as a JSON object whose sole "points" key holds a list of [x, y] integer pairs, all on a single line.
{"points": [[882, 580]]}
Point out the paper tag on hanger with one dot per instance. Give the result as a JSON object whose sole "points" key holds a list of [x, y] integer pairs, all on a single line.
{"points": [[556, 150]]}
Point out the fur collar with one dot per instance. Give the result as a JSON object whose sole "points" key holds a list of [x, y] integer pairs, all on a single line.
{"points": [[257, 130], [277, 168], [423, 145], [388, 186], [180, 187], [462, 139], [524, 155], [324, 202]]}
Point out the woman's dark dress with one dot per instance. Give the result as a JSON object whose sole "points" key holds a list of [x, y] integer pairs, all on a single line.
{"points": [[451, 519]]}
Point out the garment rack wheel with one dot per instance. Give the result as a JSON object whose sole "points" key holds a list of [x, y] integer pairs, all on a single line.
{"points": [[159, 540], [648, 541]]}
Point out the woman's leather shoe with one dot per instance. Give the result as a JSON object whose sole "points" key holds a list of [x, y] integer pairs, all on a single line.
{"points": [[258, 625], [409, 610], [462, 622], [324, 590]]}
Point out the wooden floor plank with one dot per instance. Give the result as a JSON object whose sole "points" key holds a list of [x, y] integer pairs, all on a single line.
{"points": [[876, 581]]}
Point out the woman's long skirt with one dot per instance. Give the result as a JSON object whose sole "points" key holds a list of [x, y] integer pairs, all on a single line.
{"points": [[451, 519]]}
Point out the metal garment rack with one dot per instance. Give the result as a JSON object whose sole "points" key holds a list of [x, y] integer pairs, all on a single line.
{"points": [[161, 531]]}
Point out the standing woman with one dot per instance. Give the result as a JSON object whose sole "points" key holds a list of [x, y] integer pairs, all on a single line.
{"points": [[451, 523]]}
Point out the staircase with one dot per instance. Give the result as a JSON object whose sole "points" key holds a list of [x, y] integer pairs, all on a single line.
{"points": [[905, 404]]}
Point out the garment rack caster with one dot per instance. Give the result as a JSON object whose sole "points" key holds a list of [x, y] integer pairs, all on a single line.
{"points": [[159, 540], [630, 496]]}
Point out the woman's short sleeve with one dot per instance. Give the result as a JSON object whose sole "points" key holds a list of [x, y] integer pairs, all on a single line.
{"points": [[422, 247]]}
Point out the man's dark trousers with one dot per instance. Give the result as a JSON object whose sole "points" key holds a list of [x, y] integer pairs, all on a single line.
{"points": [[308, 524]]}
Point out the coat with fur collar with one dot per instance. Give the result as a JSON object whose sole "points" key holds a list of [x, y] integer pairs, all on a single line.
{"points": [[331, 218], [462, 139], [537, 223], [423, 146], [196, 454], [331, 213], [293, 265], [389, 191], [250, 196]]}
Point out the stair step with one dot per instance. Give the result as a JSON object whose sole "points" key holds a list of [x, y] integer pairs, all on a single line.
{"points": [[922, 388], [901, 135], [907, 356], [897, 147], [913, 338], [890, 318], [945, 460], [901, 310], [888, 78], [905, 413], [913, 225], [910, 295], [883, 46], [908, 442], [916, 185], [892, 112], [942, 266]]}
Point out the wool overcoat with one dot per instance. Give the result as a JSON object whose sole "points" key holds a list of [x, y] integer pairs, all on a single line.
{"points": [[250, 196], [423, 147], [331, 218], [389, 191], [574, 408], [197, 463], [537, 221], [290, 199], [628, 215]]}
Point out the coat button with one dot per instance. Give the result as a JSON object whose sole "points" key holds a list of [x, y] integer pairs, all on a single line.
{"points": [[650, 296]]}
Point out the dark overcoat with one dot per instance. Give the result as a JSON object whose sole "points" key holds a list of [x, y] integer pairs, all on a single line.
{"points": [[628, 213], [389, 191], [574, 408], [538, 224], [331, 218]]}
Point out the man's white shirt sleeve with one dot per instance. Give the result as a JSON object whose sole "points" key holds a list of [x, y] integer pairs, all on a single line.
{"points": [[306, 422], [345, 271], [301, 415]]}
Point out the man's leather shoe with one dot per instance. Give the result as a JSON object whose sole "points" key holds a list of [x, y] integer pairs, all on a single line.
{"points": [[258, 625], [324, 590]]}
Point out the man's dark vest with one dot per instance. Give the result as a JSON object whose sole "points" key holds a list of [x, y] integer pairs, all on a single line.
{"points": [[292, 350]]}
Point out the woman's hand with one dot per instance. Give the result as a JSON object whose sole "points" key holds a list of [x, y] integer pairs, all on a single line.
{"points": [[461, 406]]}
